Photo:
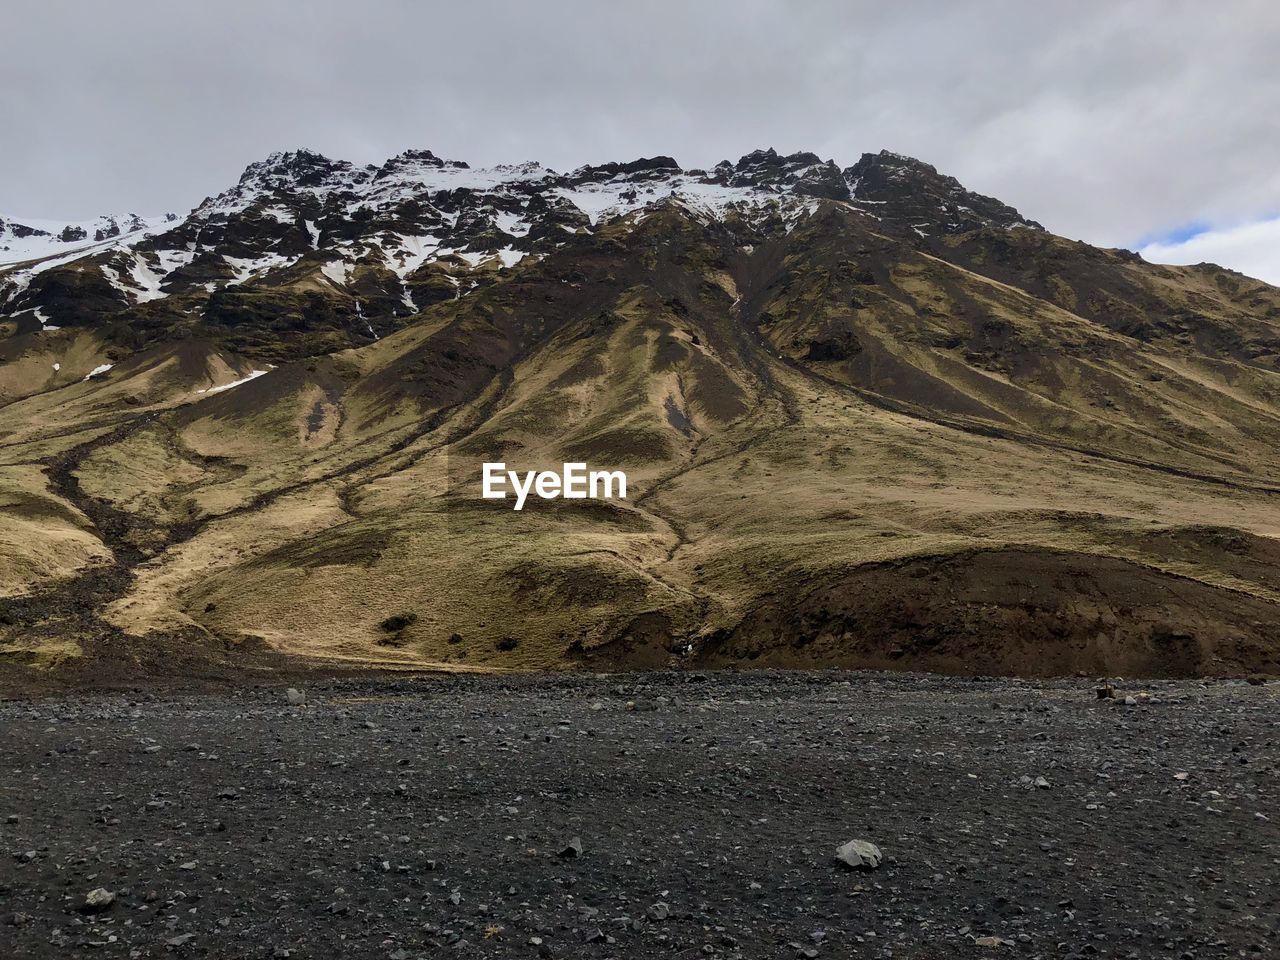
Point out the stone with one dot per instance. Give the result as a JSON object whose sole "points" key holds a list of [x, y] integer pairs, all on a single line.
{"points": [[572, 849], [658, 911], [98, 900], [295, 697], [859, 855]]}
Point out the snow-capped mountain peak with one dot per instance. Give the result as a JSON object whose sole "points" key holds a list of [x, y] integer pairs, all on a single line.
{"points": [[396, 237]]}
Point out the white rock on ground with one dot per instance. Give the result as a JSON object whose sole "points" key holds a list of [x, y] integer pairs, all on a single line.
{"points": [[859, 855]]}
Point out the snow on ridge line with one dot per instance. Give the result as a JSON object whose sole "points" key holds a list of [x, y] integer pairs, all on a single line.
{"points": [[41, 247], [401, 180], [252, 375], [140, 277], [100, 368]]}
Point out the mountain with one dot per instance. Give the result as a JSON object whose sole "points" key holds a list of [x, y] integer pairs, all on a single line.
{"points": [[867, 417]]}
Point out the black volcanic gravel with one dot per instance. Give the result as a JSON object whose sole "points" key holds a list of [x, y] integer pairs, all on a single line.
{"points": [[437, 816]]}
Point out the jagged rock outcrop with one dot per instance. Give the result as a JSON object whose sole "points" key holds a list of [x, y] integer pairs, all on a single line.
{"points": [[915, 193]]}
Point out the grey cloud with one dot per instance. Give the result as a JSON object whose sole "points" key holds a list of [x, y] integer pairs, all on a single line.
{"points": [[1108, 121]]}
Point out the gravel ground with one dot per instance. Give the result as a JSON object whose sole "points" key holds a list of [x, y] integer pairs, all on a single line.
{"points": [[416, 818]]}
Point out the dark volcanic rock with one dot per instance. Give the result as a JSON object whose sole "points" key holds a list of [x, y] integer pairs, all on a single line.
{"points": [[801, 173], [645, 168], [917, 194]]}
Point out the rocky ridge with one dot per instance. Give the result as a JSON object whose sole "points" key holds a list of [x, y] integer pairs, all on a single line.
{"points": [[376, 244]]}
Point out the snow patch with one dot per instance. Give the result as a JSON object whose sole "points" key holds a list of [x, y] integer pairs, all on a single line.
{"points": [[510, 257], [511, 223], [253, 375], [40, 317], [622, 195], [145, 281], [246, 269], [405, 254], [279, 214], [338, 272]]}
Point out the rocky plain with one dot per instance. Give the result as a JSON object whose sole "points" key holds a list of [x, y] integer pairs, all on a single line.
{"points": [[644, 815]]}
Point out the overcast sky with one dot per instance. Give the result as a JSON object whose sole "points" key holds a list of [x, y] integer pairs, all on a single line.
{"points": [[1121, 123]]}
